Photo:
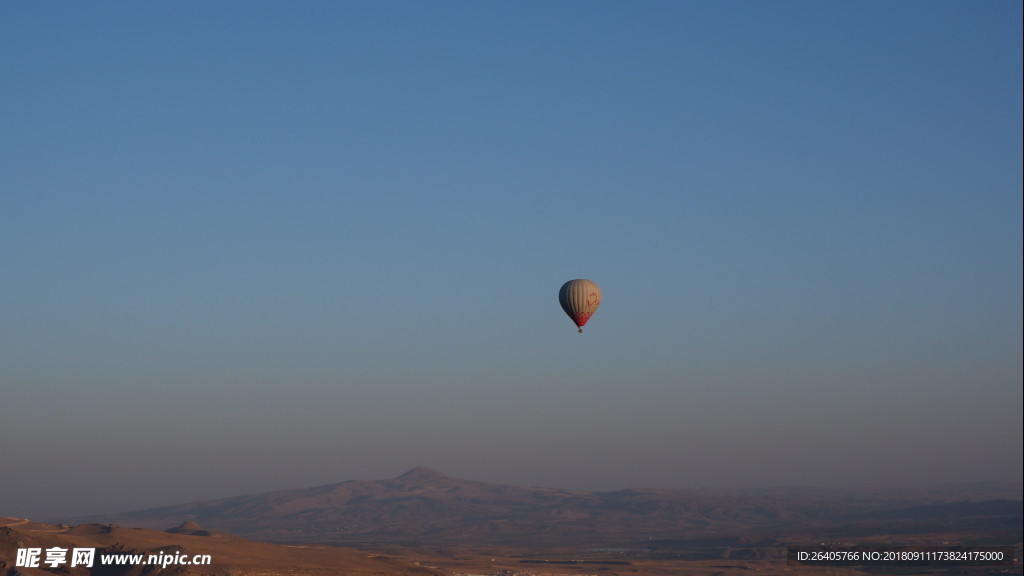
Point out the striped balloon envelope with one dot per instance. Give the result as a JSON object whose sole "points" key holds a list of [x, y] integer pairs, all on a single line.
{"points": [[580, 299]]}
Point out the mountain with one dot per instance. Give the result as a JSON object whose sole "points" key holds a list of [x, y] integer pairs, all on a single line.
{"points": [[424, 506]]}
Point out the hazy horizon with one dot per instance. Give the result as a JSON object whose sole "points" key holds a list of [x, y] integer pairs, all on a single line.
{"points": [[258, 246], [718, 489]]}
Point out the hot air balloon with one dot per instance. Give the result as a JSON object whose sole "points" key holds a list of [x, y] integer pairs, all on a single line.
{"points": [[580, 299]]}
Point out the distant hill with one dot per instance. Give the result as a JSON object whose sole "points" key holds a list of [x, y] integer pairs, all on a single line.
{"points": [[424, 506]]}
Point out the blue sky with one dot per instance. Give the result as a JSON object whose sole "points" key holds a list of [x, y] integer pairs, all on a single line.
{"points": [[256, 245]]}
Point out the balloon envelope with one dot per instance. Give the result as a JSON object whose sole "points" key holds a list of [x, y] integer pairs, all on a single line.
{"points": [[580, 299]]}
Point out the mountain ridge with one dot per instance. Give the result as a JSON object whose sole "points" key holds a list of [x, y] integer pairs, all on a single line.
{"points": [[424, 505]]}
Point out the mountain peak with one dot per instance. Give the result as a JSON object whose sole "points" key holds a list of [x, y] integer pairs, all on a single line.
{"points": [[422, 474], [188, 527]]}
